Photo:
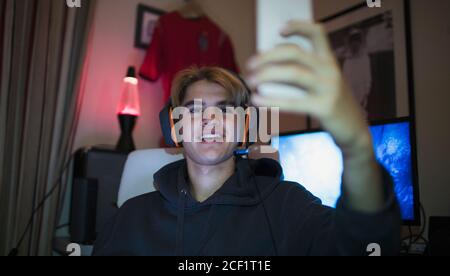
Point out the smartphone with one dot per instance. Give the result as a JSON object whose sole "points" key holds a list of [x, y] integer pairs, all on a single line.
{"points": [[272, 15]]}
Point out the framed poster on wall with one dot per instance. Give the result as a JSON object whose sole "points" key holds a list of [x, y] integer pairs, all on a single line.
{"points": [[146, 20], [372, 47]]}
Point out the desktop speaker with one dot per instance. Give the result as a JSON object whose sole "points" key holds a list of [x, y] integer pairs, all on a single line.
{"points": [[83, 211], [97, 174]]}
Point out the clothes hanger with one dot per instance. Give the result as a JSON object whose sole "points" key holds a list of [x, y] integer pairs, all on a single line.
{"points": [[191, 10]]}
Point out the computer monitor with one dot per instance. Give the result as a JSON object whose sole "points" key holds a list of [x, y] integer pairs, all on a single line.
{"points": [[312, 159]]}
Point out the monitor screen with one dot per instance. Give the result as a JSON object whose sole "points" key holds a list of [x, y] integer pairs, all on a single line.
{"points": [[313, 160]]}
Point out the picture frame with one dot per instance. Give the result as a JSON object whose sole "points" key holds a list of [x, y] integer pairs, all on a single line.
{"points": [[373, 48], [145, 23]]}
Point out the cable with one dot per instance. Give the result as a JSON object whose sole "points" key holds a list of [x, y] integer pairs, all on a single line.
{"points": [[410, 238], [420, 235], [415, 238], [267, 219], [15, 250], [422, 231]]}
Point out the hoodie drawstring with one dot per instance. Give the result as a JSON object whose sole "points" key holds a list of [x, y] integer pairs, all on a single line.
{"points": [[180, 223]]}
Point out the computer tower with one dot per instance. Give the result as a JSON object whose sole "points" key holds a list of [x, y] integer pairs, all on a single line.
{"points": [[83, 211], [97, 174], [439, 236]]}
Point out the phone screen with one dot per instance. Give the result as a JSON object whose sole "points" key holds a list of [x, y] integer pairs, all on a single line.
{"points": [[272, 15]]}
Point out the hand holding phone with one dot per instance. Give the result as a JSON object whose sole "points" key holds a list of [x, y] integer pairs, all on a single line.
{"points": [[280, 73], [272, 16]]}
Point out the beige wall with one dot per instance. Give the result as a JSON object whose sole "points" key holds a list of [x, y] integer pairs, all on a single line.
{"points": [[113, 52], [237, 18], [431, 45], [431, 58]]}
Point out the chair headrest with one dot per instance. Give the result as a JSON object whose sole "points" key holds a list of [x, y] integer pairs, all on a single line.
{"points": [[137, 176]]}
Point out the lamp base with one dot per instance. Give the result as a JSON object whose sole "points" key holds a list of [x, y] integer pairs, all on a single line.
{"points": [[126, 143]]}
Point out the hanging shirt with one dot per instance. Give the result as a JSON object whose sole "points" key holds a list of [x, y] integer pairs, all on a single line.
{"points": [[179, 43]]}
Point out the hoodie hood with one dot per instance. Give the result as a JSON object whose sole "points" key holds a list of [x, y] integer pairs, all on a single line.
{"points": [[252, 181]]}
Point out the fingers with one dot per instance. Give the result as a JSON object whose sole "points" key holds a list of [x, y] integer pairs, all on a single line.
{"points": [[286, 74], [286, 53], [315, 32], [305, 105], [316, 72]]}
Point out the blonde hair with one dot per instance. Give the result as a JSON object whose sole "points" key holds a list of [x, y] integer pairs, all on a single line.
{"points": [[236, 88]]}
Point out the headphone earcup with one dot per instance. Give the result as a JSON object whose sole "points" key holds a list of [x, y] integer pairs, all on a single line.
{"points": [[166, 124], [251, 121], [245, 140]]}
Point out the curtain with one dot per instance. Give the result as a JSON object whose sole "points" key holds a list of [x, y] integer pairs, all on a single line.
{"points": [[44, 49]]}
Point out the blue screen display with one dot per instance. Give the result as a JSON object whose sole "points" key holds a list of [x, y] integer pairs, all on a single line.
{"points": [[314, 161]]}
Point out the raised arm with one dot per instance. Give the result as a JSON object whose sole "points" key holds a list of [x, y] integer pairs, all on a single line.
{"points": [[329, 100]]}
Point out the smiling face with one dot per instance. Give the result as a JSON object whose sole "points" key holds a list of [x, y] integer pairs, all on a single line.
{"points": [[214, 131], [209, 146]]}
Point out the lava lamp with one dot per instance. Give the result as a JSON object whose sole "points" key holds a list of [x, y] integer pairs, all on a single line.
{"points": [[128, 110]]}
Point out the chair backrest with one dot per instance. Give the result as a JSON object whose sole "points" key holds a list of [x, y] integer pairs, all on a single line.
{"points": [[137, 176]]}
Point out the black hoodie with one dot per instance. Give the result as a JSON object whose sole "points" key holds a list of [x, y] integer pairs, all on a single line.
{"points": [[254, 213]]}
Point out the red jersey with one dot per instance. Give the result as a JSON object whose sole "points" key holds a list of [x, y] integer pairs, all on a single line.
{"points": [[178, 43]]}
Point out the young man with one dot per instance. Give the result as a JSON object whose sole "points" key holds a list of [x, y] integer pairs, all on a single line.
{"points": [[212, 203]]}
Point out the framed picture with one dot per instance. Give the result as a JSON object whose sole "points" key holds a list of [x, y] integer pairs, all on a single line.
{"points": [[372, 46], [146, 20]]}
